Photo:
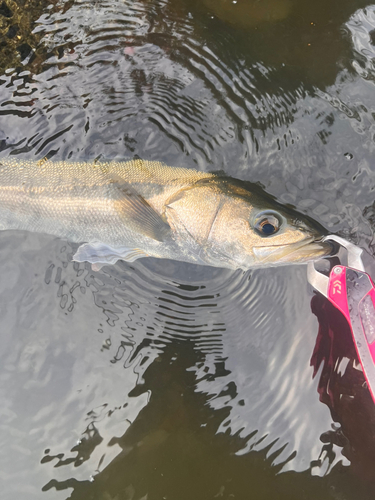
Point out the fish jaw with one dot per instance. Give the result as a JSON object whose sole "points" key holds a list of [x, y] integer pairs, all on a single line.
{"points": [[300, 252]]}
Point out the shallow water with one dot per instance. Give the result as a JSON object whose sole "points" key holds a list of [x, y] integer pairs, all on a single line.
{"points": [[163, 380]]}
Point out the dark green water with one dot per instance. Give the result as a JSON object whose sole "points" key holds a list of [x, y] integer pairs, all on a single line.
{"points": [[163, 380]]}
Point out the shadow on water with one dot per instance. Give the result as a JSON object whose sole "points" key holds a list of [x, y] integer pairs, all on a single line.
{"points": [[342, 387], [173, 448]]}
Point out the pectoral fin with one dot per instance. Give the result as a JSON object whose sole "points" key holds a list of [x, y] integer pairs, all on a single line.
{"points": [[99, 254], [137, 212]]}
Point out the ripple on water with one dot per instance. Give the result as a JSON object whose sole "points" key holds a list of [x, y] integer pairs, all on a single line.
{"points": [[361, 26], [140, 77], [243, 331], [98, 367]]}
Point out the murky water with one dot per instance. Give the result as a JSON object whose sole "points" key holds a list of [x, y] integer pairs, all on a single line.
{"points": [[163, 380]]}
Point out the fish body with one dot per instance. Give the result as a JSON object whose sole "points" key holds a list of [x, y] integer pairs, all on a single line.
{"points": [[127, 210]]}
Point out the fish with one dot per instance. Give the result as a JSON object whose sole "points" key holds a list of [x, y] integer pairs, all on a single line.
{"points": [[126, 210]]}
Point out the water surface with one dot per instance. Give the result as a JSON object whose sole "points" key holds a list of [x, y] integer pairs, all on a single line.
{"points": [[162, 380]]}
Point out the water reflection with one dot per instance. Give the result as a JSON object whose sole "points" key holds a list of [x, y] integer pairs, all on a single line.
{"points": [[220, 377], [342, 387], [196, 362], [160, 68], [162, 379]]}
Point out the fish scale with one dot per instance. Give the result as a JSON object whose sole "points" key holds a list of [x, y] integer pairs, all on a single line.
{"points": [[127, 210]]}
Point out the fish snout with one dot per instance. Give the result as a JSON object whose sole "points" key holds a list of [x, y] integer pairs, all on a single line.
{"points": [[309, 249]]}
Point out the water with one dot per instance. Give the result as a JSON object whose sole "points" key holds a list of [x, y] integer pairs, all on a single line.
{"points": [[164, 380]]}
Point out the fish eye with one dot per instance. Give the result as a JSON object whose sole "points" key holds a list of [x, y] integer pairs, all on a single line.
{"points": [[267, 224]]}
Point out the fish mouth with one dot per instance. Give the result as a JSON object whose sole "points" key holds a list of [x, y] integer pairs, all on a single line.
{"points": [[302, 251]]}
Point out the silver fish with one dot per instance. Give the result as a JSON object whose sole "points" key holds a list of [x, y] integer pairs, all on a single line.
{"points": [[133, 209]]}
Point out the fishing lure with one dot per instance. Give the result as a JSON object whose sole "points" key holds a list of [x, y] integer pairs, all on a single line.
{"points": [[351, 290]]}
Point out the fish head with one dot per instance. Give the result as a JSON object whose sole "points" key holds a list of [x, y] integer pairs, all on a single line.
{"points": [[235, 225]]}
